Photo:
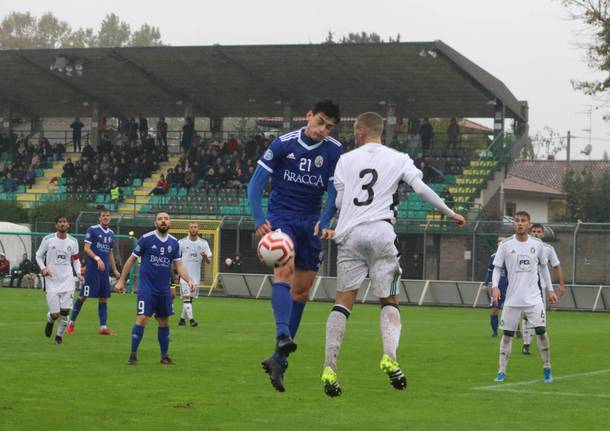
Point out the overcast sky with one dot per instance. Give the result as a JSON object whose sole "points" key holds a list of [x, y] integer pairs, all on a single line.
{"points": [[531, 45]]}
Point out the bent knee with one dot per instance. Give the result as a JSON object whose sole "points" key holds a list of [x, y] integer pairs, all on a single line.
{"points": [[54, 316], [540, 330], [283, 274], [64, 312]]}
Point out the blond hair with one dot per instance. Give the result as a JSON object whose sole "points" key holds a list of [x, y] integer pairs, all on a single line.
{"points": [[372, 122]]}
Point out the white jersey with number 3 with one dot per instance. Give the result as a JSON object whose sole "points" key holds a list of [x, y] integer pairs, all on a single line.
{"points": [[192, 256], [369, 177], [57, 255]]}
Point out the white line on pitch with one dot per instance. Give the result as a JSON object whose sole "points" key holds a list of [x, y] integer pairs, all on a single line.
{"points": [[568, 394], [500, 386]]}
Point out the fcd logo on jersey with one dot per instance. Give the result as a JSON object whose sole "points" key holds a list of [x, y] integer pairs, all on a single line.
{"points": [[319, 161]]}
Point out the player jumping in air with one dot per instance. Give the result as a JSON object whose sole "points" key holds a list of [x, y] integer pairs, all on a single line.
{"points": [[525, 260], [301, 165], [367, 181], [100, 259], [157, 250], [193, 250], [57, 257]]}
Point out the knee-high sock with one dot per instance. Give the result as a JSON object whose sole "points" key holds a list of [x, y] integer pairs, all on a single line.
{"points": [[76, 309], [281, 303], [527, 331], [295, 317], [187, 309], [544, 347], [494, 323], [335, 328], [390, 329], [102, 312], [137, 333], [163, 337], [506, 347], [63, 322]]}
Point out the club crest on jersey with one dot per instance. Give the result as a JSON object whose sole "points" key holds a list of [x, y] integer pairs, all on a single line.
{"points": [[169, 248], [268, 155], [319, 161], [532, 250]]}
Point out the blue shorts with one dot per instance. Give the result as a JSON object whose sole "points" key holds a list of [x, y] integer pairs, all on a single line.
{"points": [[501, 301], [159, 304], [307, 248], [97, 285]]}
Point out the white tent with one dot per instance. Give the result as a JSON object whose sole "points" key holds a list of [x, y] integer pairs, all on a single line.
{"points": [[14, 245]]}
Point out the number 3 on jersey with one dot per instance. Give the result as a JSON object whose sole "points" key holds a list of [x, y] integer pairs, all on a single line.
{"points": [[368, 187]]}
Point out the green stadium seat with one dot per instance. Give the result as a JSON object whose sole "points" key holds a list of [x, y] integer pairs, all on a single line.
{"points": [[61, 181], [137, 182]]}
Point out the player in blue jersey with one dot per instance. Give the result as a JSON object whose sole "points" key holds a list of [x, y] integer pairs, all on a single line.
{"points": [[157, 250], [301, 166], [99, 261], [503, 284]]}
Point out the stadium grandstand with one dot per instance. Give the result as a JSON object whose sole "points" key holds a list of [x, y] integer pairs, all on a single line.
{"points": [[181, 128]]}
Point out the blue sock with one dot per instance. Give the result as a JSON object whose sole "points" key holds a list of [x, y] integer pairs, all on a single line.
{"points": [[279, 358], [295, 317], [137, 333], [76, 309], [163, 337], [494, 324], [102, 311], [281, 302]]}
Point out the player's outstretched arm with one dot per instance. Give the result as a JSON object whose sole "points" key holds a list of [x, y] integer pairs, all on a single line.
{"points": [[256, 186], [120, 284], [433, 199]]}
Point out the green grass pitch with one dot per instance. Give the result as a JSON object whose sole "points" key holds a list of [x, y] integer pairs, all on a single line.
{"points": [[217, 383]]}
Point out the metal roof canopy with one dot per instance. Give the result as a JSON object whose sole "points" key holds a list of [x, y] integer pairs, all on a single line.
{"points": [[422, 79]]}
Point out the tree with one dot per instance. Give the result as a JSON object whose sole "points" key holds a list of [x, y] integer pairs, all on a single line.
{"points": [[587, 199], [362, 37], [22, 31], [596, 15], [544, 145]]}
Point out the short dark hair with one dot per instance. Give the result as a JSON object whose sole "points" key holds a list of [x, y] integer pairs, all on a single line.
{"points": [[59, 217], [538, 226], [101, 210], [328, 108], [523, 213]]}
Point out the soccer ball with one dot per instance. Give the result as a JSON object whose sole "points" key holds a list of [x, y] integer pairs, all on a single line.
{"points": [[275, 249]]}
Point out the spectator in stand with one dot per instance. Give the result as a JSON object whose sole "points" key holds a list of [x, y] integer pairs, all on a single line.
{"points": [[77, 128], [231, 145], [189, 178], [162, 132], [426, 134], [453, 134], [170, 177], [161, 188], [188, 130], [9, 185], [237, 264], [29, 177], [211, 179], [69, 169], [143, 127], [5, 265], [116, 194], [88, 152], [25, 267], [132, 132], [58, 151], [178, 177], [97, 184], [35, 160]]}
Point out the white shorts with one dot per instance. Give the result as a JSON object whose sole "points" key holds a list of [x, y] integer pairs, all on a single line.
{"points": [[59, 301], [511, 316], [185, 290], [369, 248]]}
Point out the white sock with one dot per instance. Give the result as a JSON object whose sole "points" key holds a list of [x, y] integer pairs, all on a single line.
{"points": [[390, 330], [335, 328], [188, 309], [506, 346], [63, 323], [49, 318], [544, 347], [527, 331]]}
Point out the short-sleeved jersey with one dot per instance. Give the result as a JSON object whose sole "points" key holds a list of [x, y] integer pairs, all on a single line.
{"points": [[100, 240], [490, 269], [57, 256], [552, 258], [369, 177], [191, 253], [301, 170], [157, 255], [522, 260]]}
